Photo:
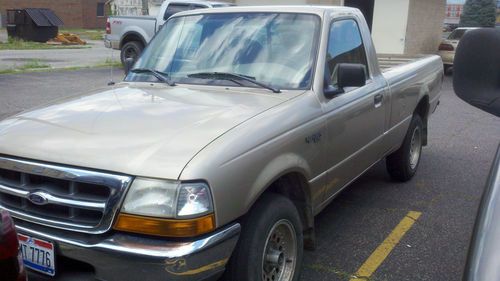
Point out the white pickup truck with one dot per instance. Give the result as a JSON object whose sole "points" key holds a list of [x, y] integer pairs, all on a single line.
{"points": [[130, 34]]}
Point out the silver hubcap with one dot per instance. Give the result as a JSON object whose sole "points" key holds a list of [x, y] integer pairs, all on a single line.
{"points": [[280, 252], [415, 148]]}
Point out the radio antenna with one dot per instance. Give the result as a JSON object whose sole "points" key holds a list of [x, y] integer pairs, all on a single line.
{"points": [[111, 82]]}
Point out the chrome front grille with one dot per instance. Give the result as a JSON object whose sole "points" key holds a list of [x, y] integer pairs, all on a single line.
{"points": [[58, 196]]}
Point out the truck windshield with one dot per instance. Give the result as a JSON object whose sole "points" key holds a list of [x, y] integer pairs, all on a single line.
{"points": [[275, 49]]}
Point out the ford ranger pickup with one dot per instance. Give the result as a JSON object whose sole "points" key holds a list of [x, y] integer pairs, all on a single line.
{"points": [[234, 128]]}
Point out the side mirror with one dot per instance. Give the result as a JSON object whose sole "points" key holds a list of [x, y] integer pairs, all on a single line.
{"points": [[348, 75], [476, 69], [129, 63]]}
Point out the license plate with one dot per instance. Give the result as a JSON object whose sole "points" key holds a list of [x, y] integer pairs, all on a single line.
{"points": [[37, 254]]}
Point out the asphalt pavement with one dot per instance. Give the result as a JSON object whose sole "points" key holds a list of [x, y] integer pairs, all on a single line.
{"points": [[446, 189]]}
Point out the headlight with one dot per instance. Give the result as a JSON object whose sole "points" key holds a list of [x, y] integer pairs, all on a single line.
{"points": [[167, 208], [150, 197]]}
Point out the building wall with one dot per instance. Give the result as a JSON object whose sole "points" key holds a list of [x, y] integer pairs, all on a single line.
{"points": [[390, 18], [126, 7], [134, 7], [90, 18], [399, 26], [69, 11], [425, 23], [453, 13], [74, 13]]}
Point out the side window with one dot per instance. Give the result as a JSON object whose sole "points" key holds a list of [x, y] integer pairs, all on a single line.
{"points": [[174, 8], [194, 7], [344, 46]]}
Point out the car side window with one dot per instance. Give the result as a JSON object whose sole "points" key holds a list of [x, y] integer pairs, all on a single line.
{"points": [[174, 8], [345, 45]]}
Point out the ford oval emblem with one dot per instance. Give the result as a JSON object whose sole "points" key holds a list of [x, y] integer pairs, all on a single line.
{"points": [[37, 198]]}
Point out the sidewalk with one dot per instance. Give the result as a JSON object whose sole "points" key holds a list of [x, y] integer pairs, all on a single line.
{"points": [[96, 55]]}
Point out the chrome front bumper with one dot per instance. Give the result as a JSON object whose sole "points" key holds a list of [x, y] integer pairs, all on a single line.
{"points": [[121, 256]]}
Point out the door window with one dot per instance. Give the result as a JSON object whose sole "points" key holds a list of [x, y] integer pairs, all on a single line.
{"points": [[344, 46]]}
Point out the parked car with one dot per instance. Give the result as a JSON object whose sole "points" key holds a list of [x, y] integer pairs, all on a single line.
{"points": [[483, 257], [219, 148], [130, 34], [11, 263], [449, 45], [477, 82]]}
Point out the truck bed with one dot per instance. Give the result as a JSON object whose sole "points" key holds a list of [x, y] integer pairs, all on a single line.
{"points": [[389, 61], [143, 27]]}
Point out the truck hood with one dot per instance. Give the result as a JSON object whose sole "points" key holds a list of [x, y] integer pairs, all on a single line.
{"points": [[151, 130]]}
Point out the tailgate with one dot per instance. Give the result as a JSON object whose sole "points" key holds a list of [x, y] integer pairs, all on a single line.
{"points": [[142, 25]]}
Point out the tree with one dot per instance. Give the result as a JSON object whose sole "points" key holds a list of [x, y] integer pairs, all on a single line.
{"points": [[479, 13], [145, 7]]}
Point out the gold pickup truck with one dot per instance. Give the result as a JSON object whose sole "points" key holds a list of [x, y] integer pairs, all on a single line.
{"points": [[234, 128]]}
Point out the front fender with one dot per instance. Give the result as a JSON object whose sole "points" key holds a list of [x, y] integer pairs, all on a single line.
{"points": [[278, 167]]}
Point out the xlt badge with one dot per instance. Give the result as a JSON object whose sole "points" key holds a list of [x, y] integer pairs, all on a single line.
{"points": [[314, 138]]}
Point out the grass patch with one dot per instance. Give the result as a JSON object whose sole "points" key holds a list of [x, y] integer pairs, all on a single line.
{"points": [[18, 44], [110, 62], [28, 66], [37, 66], [34, 64], [85, 34]]}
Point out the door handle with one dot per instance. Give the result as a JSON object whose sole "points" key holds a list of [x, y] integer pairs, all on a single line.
{"points": [[377, 100]]}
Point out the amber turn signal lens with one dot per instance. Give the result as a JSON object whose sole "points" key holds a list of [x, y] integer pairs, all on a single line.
{"points": [[165, 227]]}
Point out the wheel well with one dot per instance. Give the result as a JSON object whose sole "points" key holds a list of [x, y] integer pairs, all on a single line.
{"points": [[423, 111], [132, 37], [294, 186]]}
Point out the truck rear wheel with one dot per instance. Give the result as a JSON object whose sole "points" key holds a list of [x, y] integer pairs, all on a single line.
{"points": [[403, 163], [132, 49], [271, 243]]}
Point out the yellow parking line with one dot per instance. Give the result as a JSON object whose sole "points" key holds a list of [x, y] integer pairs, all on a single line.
{"points": [[383, 250]]}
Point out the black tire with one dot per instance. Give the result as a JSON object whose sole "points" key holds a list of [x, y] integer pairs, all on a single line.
{"points": [[132, 49], [247, 261], [401, 164]]}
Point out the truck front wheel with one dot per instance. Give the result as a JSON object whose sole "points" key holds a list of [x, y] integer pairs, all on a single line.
{"points": [[132, 50], [271, 243], [403, 163]]}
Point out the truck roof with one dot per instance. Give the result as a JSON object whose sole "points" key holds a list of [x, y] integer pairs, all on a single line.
{"points": [[308, 9], [199, 2]]}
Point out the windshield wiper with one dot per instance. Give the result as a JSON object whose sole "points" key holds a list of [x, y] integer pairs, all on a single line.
{"points": [[162, 76], [231, 77]]}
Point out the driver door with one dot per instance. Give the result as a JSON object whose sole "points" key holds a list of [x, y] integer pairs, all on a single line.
{"points": [[355, 118]]}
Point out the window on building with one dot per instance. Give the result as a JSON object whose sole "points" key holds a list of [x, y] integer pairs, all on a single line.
{"points": [[345, 45], [100, 9]]}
